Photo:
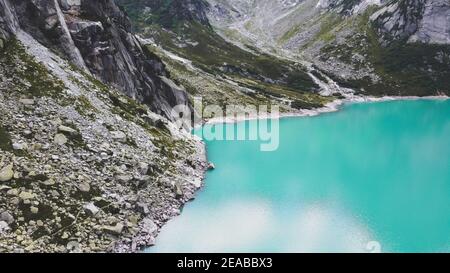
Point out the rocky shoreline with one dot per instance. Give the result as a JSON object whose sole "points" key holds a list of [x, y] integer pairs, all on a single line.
{"points": [[328, 108]]}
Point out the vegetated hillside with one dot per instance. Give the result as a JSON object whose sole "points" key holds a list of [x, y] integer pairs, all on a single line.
{"points": [[191, 37]]}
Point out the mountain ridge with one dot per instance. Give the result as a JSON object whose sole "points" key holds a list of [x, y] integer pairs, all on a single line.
{"points": [[326, 33]]}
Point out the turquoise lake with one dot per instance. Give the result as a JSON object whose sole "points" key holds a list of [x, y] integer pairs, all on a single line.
{"points": [[370, 177]]}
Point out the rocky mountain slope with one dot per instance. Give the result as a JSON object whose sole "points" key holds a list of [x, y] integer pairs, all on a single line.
{"points": [[83, 166], [376, 47], [218, 69]]}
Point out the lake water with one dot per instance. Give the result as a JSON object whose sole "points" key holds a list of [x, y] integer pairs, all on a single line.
{"points": [[371, 177]]}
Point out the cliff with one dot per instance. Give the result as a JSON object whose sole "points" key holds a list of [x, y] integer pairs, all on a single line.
{"points": [[96, 36], [83, 166]]}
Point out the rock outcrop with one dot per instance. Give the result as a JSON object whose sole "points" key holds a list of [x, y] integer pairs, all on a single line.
{"points": [[434, 28], [96, 37], [415, 21], [8, 20]]}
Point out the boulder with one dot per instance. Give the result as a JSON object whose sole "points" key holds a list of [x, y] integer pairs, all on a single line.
{"points": [[34, 210], [119, 136], [3, 227], [124, 178], [20, 146], [6, 173], [7, 217], [178, 190], [114, 230], [149, 226], [73, 246], [12, 192], [67, 130], [91, 209], [84, 187], [143, 168], [142, 208], [60, 139], [25, 195], [27, 101]]}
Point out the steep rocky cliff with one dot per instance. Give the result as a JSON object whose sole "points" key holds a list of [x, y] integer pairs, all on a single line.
{"points": [[96, 36], [415, 20], [83, 167]]}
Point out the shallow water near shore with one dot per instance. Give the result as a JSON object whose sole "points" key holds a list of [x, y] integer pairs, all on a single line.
{"points": [[370, 177]]}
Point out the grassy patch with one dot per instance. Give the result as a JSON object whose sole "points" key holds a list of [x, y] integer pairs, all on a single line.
{"points": [[84, 106]]}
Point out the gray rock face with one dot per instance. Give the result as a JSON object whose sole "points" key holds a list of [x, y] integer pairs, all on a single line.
{"points": [[8, 20], [415, 21], [96, 36], [399, 20], [7, 217], [435, 25]]}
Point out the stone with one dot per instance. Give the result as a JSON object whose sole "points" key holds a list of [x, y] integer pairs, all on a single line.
{"points": [[67, 130], [20, 146], [14, 201], [27, 101], [54, 193], [39, 223], [197, 182], [119, 136], [124, 178], [6, 173], [60, 139], [4, 188], [84, 187], [142, 208], [26, 195], [91, 209], [104, 155], [49, 182], [114, 230], [73, 246], [7, 217], [3, 227], [178, 189], [133, 219], [34, 210], [149, 226], [211, 166], [143, 168]]}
